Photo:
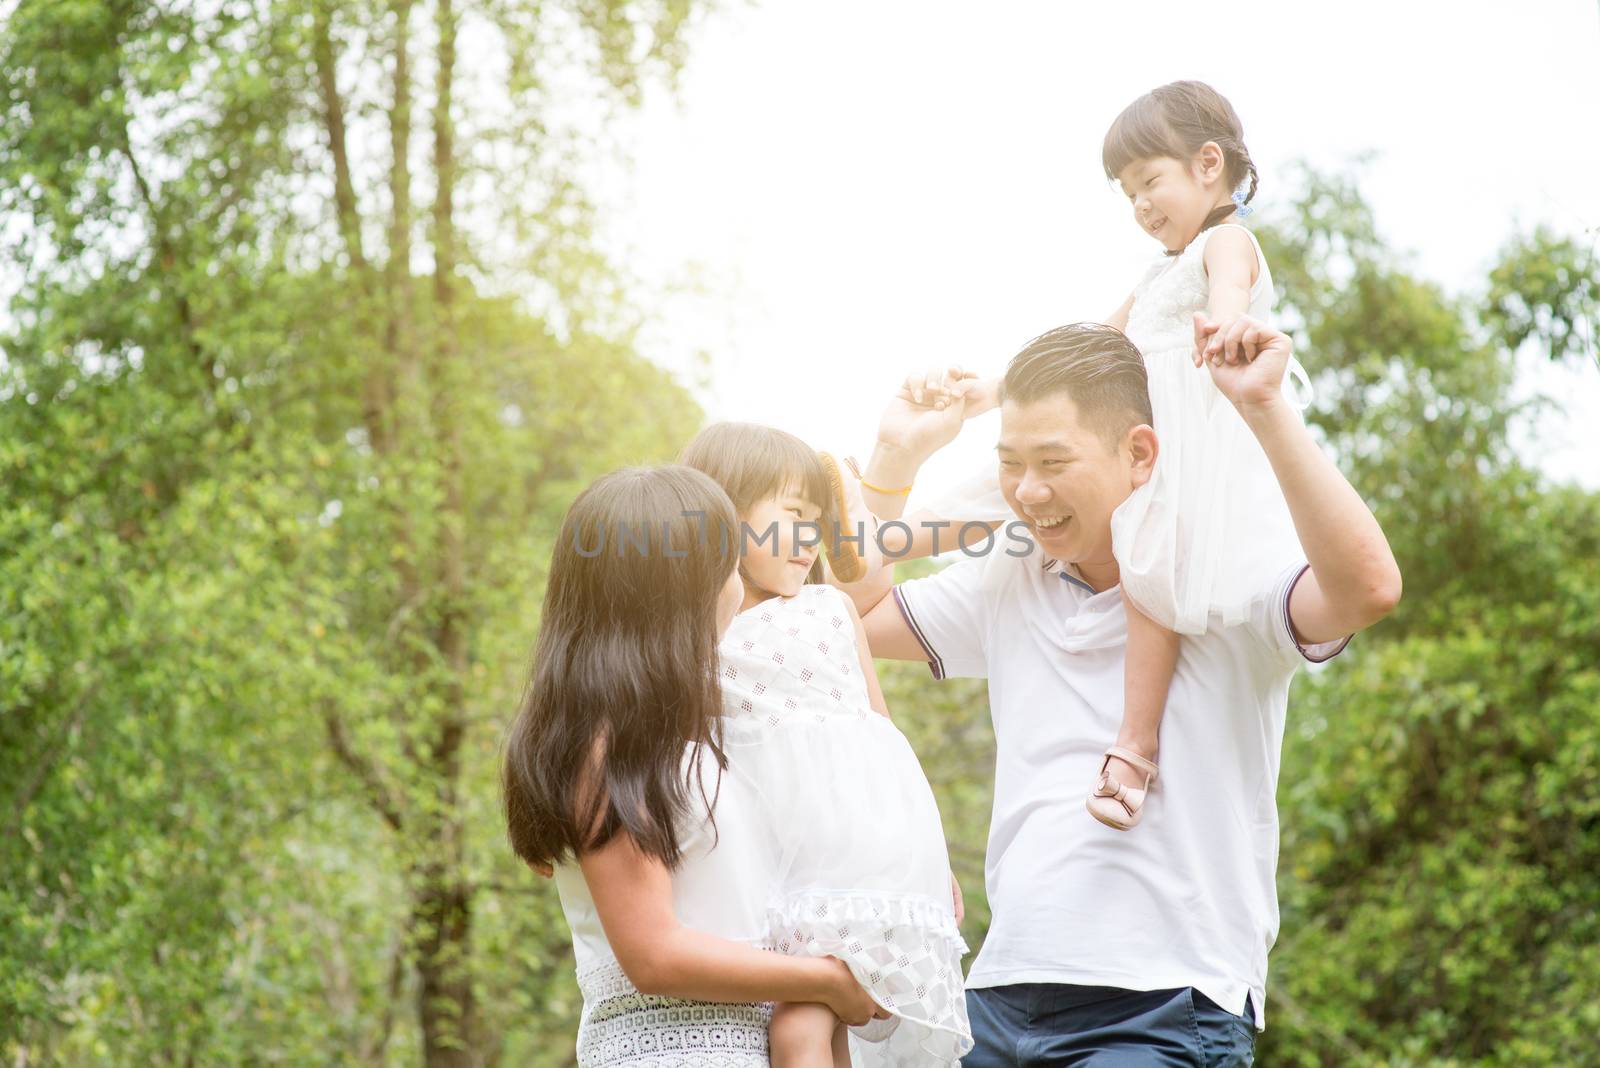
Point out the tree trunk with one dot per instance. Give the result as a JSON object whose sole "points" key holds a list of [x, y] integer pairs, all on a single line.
{"points": [[444, 908], [441, 918]]}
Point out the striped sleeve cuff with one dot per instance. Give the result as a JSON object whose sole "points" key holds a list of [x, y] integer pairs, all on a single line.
{"points": [[935, 664], [1316, 652]]}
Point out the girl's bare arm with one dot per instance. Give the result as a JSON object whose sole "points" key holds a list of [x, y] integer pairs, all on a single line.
{"points": [[1119, 318]]}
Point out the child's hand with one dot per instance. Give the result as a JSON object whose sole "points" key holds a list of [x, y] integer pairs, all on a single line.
{"points": [[939, 387], [1247, 361], [1207, 339]]}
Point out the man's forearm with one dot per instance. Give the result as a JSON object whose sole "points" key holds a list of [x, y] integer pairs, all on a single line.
{"points": [[891, 467]]}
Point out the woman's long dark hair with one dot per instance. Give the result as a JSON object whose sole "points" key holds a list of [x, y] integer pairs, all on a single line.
{"points": [[625, 677]]}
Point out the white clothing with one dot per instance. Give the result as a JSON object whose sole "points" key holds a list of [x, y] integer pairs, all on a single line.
{"points": [[1198, 540], [720, 887], [1189, 898], [861, 869]]}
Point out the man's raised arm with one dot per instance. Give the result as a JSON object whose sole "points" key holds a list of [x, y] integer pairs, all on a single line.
{"points": [[908, 434], [1354, 580]]}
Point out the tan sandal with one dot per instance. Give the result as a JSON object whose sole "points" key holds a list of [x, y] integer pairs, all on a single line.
{"points": [[1116, 804], [845, 557]]}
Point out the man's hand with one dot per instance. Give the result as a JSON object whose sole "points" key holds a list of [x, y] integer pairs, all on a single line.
{"points": [[956, 901], [1247, 359]]}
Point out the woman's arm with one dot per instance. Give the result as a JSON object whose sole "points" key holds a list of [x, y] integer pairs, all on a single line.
{"points": [[633, 894]]}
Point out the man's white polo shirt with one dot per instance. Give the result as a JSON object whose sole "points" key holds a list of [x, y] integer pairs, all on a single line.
{"points": [[1186, 898]]}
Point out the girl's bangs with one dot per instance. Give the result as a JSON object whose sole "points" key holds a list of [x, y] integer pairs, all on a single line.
{"points": [[1140, 132]]}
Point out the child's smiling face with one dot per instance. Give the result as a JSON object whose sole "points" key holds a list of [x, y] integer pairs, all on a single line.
{"points": [[778, 549], [1171, 197]]}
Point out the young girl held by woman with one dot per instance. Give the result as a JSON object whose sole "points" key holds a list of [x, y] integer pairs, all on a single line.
{"points": [[861, 871]]}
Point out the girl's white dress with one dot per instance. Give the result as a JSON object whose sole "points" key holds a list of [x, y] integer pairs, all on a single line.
{"points": [[861, 870], [1198, 541]]}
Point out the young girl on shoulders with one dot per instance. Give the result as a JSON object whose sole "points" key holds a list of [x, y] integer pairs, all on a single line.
{"points": [[1195, 542]]}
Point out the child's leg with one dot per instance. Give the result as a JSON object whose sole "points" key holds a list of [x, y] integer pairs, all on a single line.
{"points": [[1147, 676], [841, 1047], [1152, 657], [803, 1035]]}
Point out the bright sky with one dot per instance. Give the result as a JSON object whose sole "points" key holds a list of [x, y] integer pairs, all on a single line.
{"points": [[861, 188]]}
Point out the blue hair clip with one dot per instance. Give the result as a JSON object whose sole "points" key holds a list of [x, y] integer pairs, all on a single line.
{"points": [[1240, 207]]}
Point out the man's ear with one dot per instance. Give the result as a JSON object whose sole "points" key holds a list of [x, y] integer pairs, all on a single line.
{"points": [[1210, 162], [1143, 447]]}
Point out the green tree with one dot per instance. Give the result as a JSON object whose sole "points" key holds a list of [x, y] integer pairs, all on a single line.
{"points": [[305, 359], [1438, 794]]}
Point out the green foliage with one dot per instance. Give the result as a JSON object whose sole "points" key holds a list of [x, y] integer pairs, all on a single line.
{"points": [[1546, 289], [1438, 794], [282, 456], [285, 433]]}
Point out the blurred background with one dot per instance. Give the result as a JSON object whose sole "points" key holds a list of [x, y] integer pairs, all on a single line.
{"points": [[317, 314]]}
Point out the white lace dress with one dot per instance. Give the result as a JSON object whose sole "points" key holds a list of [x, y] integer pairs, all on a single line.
{"points": [[861, 868], [1199, 540], [720, 887]]}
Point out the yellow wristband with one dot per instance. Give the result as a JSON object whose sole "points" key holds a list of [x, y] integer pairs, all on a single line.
{"points": [[879, 489]]}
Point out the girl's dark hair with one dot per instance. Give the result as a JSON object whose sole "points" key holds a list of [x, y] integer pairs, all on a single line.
{"points": [[625, 672], [751, 462], [1173, 122]]}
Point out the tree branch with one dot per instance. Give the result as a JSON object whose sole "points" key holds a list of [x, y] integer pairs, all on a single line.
{"points": [[365, 771], [444, 162], [450, 636], [344, 193], [167, 265], [399, 264], [397, 971], [43, 767]]}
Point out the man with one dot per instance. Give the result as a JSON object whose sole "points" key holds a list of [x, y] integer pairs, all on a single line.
{"points": [[1149, 947]]}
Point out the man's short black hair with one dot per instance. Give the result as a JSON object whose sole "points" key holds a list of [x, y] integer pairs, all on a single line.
{"points": [[1095, 365]]}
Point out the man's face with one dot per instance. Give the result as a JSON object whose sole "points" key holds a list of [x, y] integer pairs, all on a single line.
{"points": [[1064, 479]]}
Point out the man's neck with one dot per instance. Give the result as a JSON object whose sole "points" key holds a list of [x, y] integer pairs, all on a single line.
{"points": [[1100, 577]]}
